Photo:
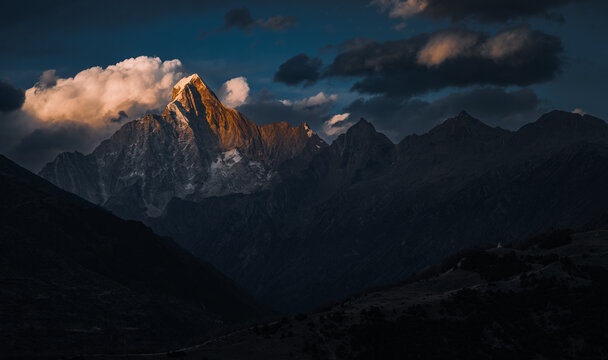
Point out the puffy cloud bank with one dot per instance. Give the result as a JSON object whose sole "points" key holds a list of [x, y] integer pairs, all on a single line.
{"points": [[97, 95], [77, 113], [517, 56]]}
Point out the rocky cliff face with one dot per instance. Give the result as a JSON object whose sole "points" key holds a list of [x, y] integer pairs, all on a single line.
{"points": [[195, 149]]}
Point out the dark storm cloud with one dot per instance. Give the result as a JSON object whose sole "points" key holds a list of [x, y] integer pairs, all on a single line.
{"points": [[240, 18], [517, 56], [266, 109], [43, 144], [11, 98], [482, 10], [299, 69], [494, 106], [13, 126]]}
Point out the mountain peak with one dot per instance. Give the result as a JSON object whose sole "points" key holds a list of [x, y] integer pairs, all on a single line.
{"points": [[464, 119], [463, 126], [362, 134], [559, 127], [193, 82], [192, 97], [464, 114], [565, 119], [362, 126]]}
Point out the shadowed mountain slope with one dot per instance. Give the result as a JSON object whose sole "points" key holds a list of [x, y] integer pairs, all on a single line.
{"points": [[76, 279]]}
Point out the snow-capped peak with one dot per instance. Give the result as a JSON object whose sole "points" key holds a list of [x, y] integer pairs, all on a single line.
{"points": [[185, 81]]}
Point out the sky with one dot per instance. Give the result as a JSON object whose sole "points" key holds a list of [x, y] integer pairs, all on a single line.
{"points": [[72, 72]]}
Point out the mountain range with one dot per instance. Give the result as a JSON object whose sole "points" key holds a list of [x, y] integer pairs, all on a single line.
{"points": [[197, 148], [298, 222]]}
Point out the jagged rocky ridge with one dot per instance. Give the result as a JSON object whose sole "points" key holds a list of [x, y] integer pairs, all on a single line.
{"points": [[367, 212], [195, 149]]}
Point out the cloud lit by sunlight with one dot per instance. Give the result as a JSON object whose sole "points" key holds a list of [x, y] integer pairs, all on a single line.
{"points": [[97, 95], [336, 125], [234, 92]]}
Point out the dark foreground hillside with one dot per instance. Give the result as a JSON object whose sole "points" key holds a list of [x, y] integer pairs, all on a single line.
{"points": [[75, 279], [542, 299]]}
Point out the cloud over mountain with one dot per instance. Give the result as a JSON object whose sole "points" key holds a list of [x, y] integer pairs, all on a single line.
{"points": [[76, 113], [336, 125], [299, 69], [450, 58], [96, 95]]}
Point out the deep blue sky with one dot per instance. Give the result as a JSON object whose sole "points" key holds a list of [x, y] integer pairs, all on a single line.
{"points": [[70, 36]]}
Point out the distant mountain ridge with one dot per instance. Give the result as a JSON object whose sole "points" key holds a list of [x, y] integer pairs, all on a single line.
{"points": [[196, 148]]}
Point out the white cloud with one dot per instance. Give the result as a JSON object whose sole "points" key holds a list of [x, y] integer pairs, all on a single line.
{"points": [[234, 92], [336, 125], [96, 95], [320, 99]]}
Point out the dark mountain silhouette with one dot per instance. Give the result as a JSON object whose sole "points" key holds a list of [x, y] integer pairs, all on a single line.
{"points": [[366, 212], [76, 279]]}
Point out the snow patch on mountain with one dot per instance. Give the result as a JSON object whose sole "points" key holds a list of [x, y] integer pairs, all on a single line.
{"points": [[226, 160], [232, 172]]}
